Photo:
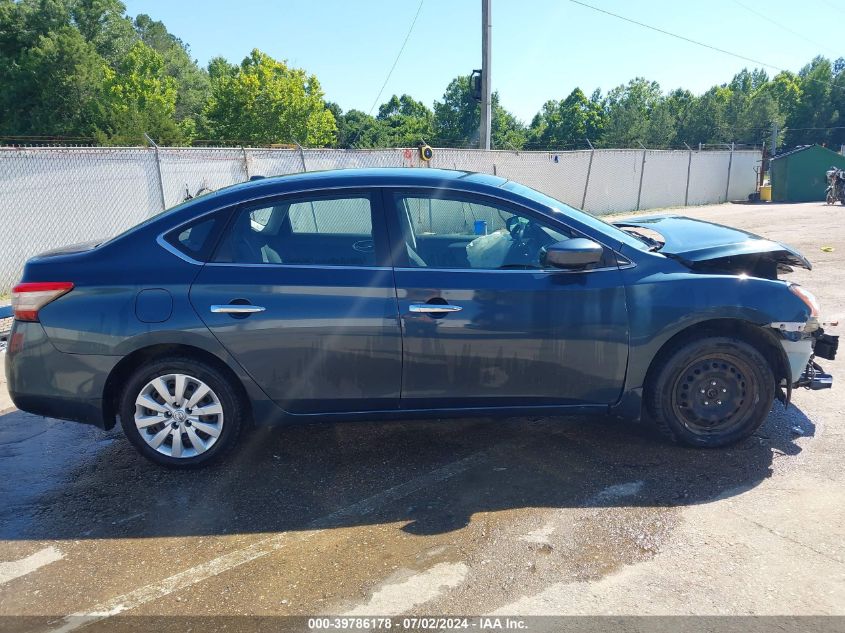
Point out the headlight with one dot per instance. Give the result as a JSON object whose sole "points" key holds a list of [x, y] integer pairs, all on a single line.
{"points": [[807, 297]]}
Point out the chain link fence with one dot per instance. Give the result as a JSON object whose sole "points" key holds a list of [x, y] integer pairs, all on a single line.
{"points": [[53, 196]]}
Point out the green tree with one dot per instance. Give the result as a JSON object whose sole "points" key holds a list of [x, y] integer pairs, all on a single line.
{"points": [[104, 24], [458, 116], [266, 101], [567, 123], [661, 130], [814, 110], [707, 121], [192, 83], [761, 111], [405, 122], [140, 98], [787, 92], [628, 109], [361, 130], [837, 100], [356, 128], [219, 68], [681, 104], [52, 88], [24, 22]]}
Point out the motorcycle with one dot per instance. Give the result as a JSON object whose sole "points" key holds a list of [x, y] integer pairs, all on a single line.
{"points": [[835, 191]]}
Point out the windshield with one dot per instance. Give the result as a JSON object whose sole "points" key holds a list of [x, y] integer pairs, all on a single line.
{"points": [[584, 218]]}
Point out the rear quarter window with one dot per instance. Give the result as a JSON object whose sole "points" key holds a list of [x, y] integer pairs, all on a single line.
{"points": [[194, 240]]}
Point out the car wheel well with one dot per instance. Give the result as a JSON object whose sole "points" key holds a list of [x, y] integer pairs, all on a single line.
{"points": [[124, 369], [757, 336]]}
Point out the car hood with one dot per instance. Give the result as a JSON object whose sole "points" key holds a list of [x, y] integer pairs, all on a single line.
{"points": [[697, 241]]}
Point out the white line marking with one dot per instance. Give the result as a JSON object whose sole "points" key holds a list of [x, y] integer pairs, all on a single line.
{"points": [[16, 569], [400, 597], [260, 548]]}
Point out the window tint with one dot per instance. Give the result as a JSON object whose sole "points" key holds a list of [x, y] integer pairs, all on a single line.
{"points": [[347, 215], [192, 240], [320, 231], [441, 216], [461, 233]]}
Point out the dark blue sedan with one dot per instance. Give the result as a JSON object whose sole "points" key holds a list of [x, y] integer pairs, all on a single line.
{"points": [[386, 293]]}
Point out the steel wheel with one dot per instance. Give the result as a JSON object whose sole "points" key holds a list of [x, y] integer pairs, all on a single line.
{"points": [[178, 415], [710, 391], [711, 395]]}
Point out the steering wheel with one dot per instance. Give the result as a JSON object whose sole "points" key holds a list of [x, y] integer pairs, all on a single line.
{"points": [[516, 227], [524, 234]]}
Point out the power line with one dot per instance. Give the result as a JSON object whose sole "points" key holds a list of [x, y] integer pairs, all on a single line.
{"points": [[696, 42], [398, 55], [782, 26]]}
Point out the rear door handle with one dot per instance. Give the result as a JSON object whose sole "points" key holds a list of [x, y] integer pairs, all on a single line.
{"points": [[236, 308], [434, 308]]}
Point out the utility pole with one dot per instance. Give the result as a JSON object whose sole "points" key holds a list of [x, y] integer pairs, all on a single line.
{"points": [[486, 83], [774, 138]]}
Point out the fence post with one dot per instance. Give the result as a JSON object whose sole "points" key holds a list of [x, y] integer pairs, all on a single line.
{"points": [[642, 172], [689, 169], [589, 170], [301, 156], [730, 164], [246, 162], [158, 168]]}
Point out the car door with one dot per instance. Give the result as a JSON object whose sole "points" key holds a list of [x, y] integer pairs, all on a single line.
{"points": [[300, 292], [484, 323]]}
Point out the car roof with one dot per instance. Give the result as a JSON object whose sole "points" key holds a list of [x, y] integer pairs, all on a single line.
{"points": [[372, 176], [257, 188]]}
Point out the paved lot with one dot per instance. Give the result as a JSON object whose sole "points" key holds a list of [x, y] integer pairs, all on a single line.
{"points": [[525, 516]]}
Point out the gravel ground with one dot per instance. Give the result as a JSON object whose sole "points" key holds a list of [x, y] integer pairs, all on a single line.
{"points": [[578, 516]]}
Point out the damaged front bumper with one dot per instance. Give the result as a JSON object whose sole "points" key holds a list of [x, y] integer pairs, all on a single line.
{"points": [[824, 346], [813, 377], [802, 343]]}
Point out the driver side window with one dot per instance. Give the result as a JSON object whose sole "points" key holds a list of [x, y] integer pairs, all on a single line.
{"points": [[459, 233]]}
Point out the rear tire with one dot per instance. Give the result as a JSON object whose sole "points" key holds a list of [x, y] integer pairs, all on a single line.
{"points": [[711, 392], [181, 413]]}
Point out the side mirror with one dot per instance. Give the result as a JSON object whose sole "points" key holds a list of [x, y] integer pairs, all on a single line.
{"points": [[575, 253]]}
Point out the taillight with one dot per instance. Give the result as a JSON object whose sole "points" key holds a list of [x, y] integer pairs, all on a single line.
{"points": [[29, 298]]}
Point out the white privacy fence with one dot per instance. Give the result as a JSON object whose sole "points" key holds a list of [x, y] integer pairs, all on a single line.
{"points": [[53, 196]]}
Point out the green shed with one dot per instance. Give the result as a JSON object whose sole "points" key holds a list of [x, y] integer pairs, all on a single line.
{"points": [[799, 174]]}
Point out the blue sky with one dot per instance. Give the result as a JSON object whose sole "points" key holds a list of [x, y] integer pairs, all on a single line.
{"points": [[542, 49]]}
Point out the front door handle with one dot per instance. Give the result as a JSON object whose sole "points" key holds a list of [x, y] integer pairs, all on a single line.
{"points": [[236, 308], [434, 308]]}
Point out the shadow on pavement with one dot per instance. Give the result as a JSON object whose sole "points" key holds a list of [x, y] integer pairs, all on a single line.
{"points": [[66, 481]]}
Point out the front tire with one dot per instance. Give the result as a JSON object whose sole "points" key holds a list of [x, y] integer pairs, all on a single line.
{"points": [[181, 413], [711, 392]]}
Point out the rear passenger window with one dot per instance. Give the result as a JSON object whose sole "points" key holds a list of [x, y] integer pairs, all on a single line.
{"points": [[335, 231], [350, 216], [193, 239]]}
